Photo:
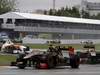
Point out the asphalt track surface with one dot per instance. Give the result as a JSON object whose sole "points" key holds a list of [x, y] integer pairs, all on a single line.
{"points": [[83, 70]]}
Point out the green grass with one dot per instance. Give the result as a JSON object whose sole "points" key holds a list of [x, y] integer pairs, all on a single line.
{"points": [[45, 46], [6, 59], [38, 46]]}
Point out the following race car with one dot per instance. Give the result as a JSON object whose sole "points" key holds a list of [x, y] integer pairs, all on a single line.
{"points": [[12, 48]]}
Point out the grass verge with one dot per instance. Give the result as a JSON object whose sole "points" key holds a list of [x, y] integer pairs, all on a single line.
{"points": [[45, 46], [5, 60]]}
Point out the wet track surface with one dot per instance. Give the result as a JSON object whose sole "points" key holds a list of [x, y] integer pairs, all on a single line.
{"points": [[83, 70]]}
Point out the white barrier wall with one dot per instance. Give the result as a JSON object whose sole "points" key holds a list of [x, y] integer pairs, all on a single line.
{"points": [[43, 41], [34, 41], [79, 41]]}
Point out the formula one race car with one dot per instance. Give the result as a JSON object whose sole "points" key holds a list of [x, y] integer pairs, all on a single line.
{"points": [[12, 48], [46, 60]]}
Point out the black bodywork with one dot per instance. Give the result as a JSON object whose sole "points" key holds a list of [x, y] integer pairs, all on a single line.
{"points": [[51, 58]]}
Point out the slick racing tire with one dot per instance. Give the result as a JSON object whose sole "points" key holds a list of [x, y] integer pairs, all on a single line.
{"points": [[13, 64], [21, 66], [74, 62]]}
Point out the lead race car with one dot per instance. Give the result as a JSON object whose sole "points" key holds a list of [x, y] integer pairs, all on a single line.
{"points": [[51, 58]]}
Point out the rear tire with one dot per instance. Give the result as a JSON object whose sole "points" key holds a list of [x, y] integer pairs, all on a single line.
{"points": [[74, 62]]}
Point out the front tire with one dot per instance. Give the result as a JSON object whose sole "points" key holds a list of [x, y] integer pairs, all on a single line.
{"points": [[21, 66], [21, 63], [13, 64]]}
